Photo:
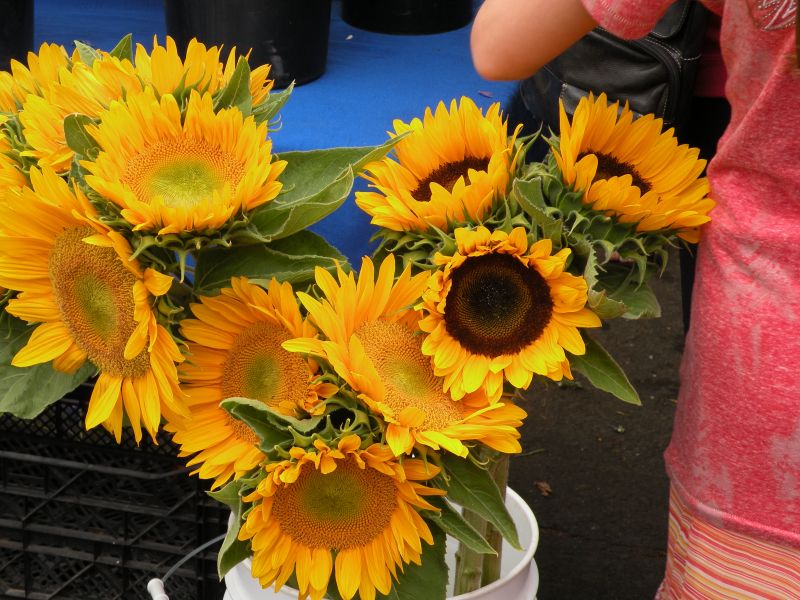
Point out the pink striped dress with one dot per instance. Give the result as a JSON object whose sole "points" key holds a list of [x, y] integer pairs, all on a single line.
{"points": [[734, 458]]}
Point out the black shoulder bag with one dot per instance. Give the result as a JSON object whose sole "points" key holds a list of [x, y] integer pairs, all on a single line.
{"points": [[654, 74]]}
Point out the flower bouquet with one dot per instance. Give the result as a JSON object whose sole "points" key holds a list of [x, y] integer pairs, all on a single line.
{"points": [[150, 239]]}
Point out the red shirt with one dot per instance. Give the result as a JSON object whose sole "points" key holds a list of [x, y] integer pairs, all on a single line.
{"points": [[735, 451]]}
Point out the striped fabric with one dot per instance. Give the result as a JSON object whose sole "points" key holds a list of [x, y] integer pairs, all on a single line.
{"points": [[705, 562]]}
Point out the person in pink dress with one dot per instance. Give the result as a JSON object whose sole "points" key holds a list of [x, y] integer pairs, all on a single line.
{"points": [[734, 457]]}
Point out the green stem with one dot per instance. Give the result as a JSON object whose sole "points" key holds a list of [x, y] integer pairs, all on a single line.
{"points": [[498, 469], [469, 564]]}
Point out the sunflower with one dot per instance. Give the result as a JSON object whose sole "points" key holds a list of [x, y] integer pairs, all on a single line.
{"points": [[373, 343], [83, 89], [499, 309], [235, 350], [90, 89], [90, 302], [604, 143], [171, 176], [33, 78], [339, 510], [449, 168]]}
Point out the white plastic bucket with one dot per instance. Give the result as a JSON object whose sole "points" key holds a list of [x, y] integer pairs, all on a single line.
{"points": [[519, 577]]}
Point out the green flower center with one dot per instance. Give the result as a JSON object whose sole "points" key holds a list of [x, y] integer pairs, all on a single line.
{"points": [[257, 367], [94, 293], [96, 300], [496, 305], [181, 172], [184, 183], [407, 374]]}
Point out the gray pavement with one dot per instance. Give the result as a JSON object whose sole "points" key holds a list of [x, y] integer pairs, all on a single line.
{"points": [[592, 467]]}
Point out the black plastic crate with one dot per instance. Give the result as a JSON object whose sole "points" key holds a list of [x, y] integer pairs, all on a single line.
{"points": [[82, 518]]}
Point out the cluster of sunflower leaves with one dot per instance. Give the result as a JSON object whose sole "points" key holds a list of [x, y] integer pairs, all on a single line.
{"points": [[151, 240]]}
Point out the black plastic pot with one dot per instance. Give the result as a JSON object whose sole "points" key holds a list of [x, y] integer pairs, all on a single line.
{"points": [[407, 16], [291, 35], [16, 31]]}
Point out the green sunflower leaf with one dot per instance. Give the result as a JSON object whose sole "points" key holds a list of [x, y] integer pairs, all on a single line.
{"points": [[315, 184], [78, 138], [603, 372], [124, 49], [26, 392], [233, 550], [473, 488], [291, 259], [452, 522], [640, 300], [237, 92], [272, 428], [604, 307], [281, 218]]}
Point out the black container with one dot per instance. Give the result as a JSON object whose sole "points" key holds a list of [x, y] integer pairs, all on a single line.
{"points": [[291, 35], [83, 518], [407, 16], [16, 31]]}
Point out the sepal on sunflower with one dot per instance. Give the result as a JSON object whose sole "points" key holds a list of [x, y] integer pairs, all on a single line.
{"points": [[267, 110], [12, 132], [79, 140], [416, 248], [124, 48], [278, 433], [614, 258], [237, 92], [86, 53], [616, 291]]}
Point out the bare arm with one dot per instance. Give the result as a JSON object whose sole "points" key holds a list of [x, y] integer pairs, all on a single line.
{"points": [[512, 39]]}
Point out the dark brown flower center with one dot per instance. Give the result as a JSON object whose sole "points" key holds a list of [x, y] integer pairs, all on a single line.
{"points": [[608, 167], [447, 175], [496, 305]]}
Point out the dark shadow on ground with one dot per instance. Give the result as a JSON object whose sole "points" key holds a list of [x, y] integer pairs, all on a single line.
{"points": [[592, 467]]}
